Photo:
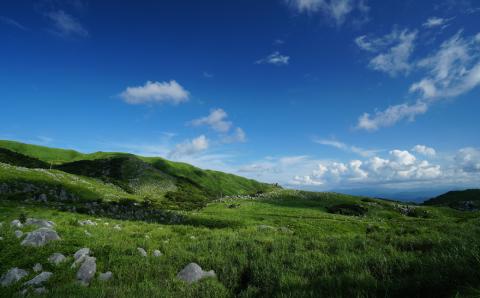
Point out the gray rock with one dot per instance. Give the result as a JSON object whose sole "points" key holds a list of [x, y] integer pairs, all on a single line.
{"points": [[41, 290], [157, 253], [57, 258], [16, 224], [87, 222], [88, 234], [42, 198], [81, 253], [39, 279], [38, 267], [265, 228], [41, 223], [142, 252], [12, 276], [105, 276], [193, 273], [40, 237], [87, 271], [117, 227], [18, 234]]}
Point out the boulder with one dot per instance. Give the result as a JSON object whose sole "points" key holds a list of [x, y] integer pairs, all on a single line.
{"points": [[57, 258], [16, 224], [39, 279], [12, 276], [105, 276], [157, 253], [193, 273], [38, 267], [40, 237], [81, 253], [87, 271], [18, 234], [41, 223], [142, 252]]}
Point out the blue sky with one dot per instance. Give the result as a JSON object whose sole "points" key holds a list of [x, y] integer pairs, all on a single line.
{"points": [[316, 94]]}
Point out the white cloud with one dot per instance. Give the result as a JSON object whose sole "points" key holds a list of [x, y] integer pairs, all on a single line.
{"points": [[66, 25], [391, 115], [156, 92], [468, 160], [190, 147], [424, 150], [345, 147], [335, 10], [13, 23], [392, 51], [275, 59], [217, 120], [238, 136], [435, 22]]}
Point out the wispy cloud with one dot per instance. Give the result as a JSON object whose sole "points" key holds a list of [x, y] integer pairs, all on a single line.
{"points": [[190, 147], [218, 121], [434, 22], [156, 92], [66, 25], [275, 59], [345, 147], [13, 23]]}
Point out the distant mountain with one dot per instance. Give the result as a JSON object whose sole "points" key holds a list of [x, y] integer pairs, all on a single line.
{"points": [[465, 199], [134, 177]]}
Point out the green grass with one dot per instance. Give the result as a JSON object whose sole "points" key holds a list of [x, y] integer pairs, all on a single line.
{"points": [[284, 244]]}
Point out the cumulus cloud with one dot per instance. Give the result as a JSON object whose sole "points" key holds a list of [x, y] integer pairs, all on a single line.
{"points": [[391, 52], [450, 71], [399, 166], [424, 150], [275, 59], [156, 92], [217, 120], [335, 10], [468, 159], [66, 25], [190, 147], [435, 22], [238, 136], [391, 115], [345, 147]]}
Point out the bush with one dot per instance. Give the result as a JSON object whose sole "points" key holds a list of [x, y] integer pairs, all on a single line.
{"points": [[348, 209]]}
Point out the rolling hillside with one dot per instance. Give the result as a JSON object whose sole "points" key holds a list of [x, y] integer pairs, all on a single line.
{"points": [[464, 199]]}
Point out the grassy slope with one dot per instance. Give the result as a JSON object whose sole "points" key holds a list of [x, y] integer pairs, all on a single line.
{"points": [[145, 177], [453, 197], [307, 252]]}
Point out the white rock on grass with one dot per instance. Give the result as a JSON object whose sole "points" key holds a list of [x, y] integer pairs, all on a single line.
{"points": [[12, 276], [39, 279], [142, 251], [157, 253], [80, 256], [193, 273], [87, 222], [87, 271], [41, 223], [105, 276], [18, 234], [38, 267], [117, 227], [57, 258], [16, 224], [40, 237]]}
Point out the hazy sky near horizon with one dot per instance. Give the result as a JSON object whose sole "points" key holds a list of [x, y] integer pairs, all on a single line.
{"points": [[318, 94]]}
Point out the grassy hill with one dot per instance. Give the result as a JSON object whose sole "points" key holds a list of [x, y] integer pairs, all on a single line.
{"points": [[154, 179], [465, 199]]}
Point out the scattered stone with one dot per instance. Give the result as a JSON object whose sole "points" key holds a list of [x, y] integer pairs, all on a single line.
{"points": [[16, 224], [80, 256], [117, 227], [193, 273], [41, 223], [41, 290], [157, 253], [12, 276], [39, 279], [87, 271], [265, 228], [105, 276], [18, 234], [88, 234], [285, 230], [57, 258], [142, 251], [87, 222], [40, 237], [38, 267]]}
